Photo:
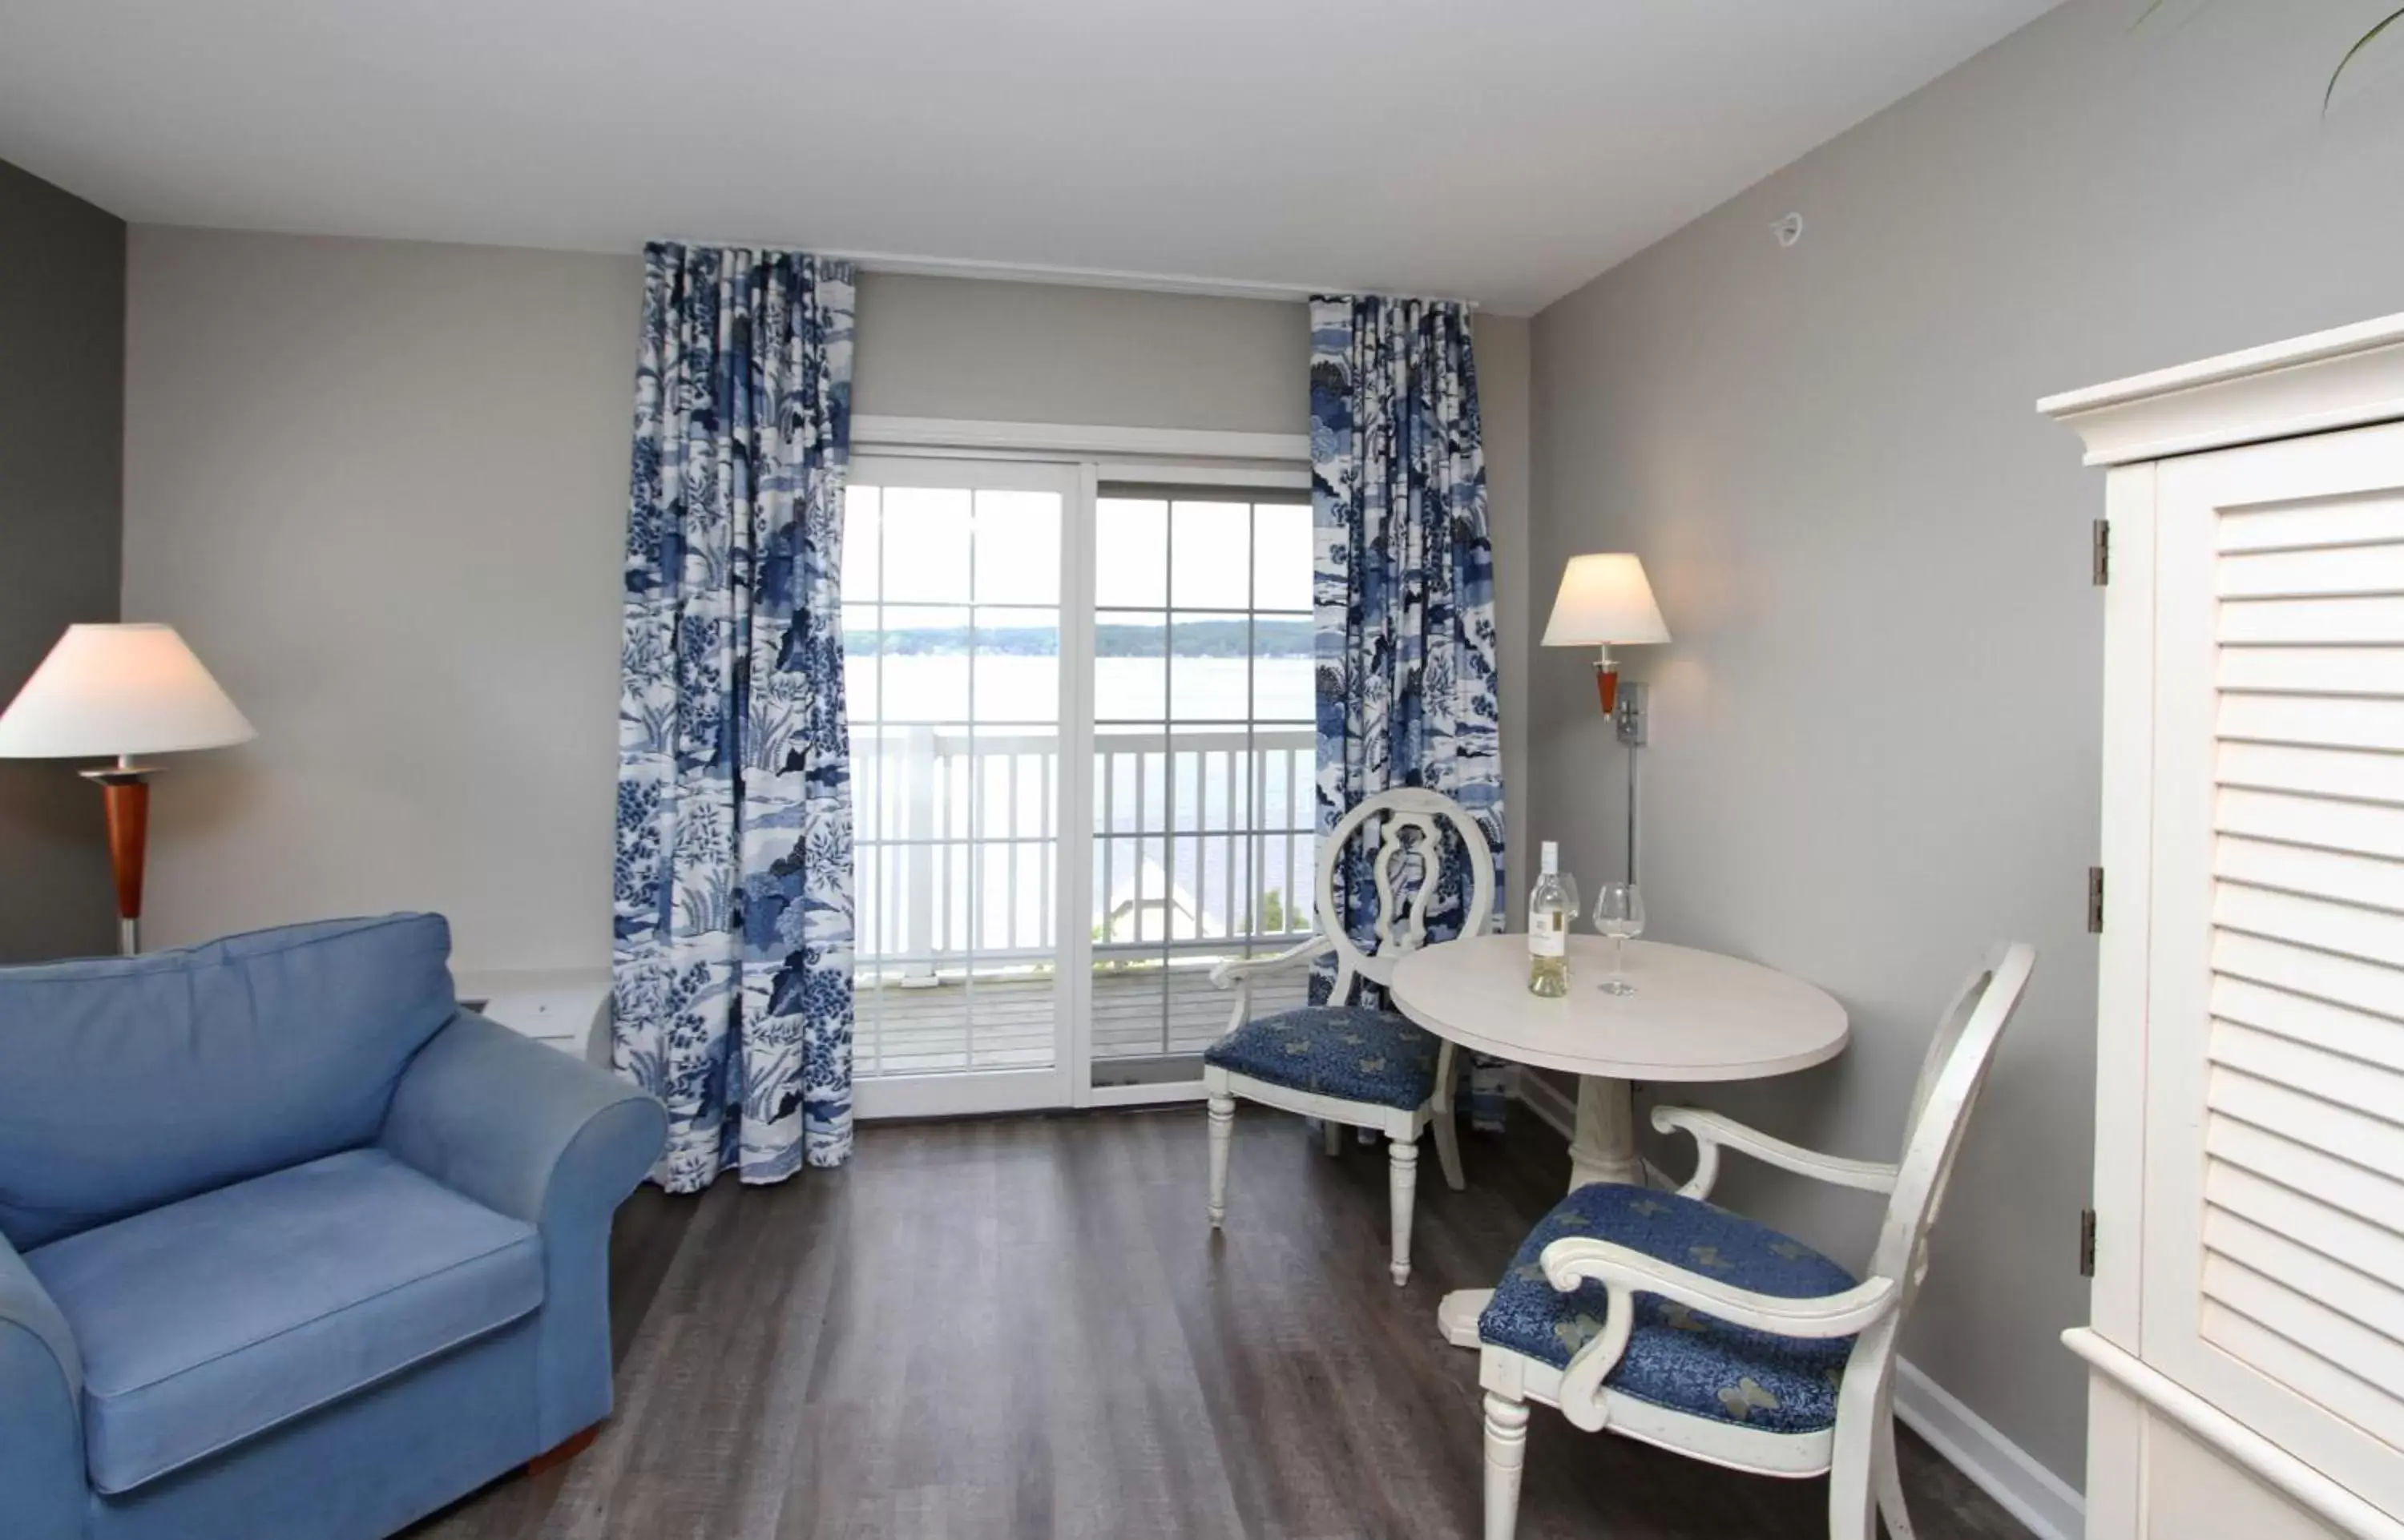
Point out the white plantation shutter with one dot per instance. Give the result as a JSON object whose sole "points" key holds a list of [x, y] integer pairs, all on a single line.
{"points": [[2273, 1264]]}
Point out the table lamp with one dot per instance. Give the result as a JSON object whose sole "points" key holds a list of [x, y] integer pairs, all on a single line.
{"points": [[1606, 601], [117, 691]]}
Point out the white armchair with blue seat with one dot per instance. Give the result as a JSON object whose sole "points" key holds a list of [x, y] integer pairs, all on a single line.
{"points": [[1660, 1317], [1353, 1065]]}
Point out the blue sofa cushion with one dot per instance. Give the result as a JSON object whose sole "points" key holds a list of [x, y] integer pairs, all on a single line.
{"points": [[211, 1320], [134, 1082], [1348, 1052], [1681, 1358]]}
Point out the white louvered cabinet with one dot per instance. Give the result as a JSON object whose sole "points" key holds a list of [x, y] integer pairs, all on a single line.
{"points": [[2248, 1334]]}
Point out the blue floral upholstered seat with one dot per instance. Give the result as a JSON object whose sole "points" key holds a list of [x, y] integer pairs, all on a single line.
{"points": [[1678, 1358], [1349, 1052]]}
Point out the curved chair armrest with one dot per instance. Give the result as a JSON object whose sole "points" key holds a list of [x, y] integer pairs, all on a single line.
{"points": [[42, 1486], [518, 1126], [1712, 1132], [1625, 1274], [1238, 970]]}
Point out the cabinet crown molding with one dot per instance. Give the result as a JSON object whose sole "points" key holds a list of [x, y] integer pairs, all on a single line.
{"points": [[2340, 378]]}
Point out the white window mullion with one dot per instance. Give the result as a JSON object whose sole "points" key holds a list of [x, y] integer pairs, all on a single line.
{"points": [[1074, 850]]}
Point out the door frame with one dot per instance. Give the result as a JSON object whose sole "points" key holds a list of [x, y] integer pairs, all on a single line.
{"points": [[1087, 456]]}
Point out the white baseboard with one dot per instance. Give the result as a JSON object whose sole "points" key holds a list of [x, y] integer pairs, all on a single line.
{"points": [[2002, 1469]]}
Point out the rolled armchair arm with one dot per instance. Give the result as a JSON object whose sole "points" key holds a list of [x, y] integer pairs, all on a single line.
{"points": [[1625, 1274], [1713, 1132], [42, 1486], [527, 1130], [521, 1127]]}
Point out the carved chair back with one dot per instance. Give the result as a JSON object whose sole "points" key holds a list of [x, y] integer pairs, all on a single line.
{"points": [[1950, 1078], [1406, 869]]}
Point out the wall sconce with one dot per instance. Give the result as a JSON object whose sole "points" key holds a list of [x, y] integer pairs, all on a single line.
{"points": [[1603, 600], [1606, 601]]}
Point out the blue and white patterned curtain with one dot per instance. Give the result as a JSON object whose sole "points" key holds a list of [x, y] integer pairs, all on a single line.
{"points": [[734, 904], [1404, 588]]}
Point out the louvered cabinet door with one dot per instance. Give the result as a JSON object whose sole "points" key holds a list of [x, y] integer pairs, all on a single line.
{"points": [[2273, 1249]]}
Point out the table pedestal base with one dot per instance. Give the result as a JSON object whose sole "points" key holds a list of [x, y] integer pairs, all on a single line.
{"points": [[1456, 1313], [1605, 1149]]}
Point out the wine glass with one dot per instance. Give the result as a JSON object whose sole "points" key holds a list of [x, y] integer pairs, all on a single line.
{"points": [[1619, 913]]}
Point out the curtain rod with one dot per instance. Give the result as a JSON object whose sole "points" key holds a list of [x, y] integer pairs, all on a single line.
{"points": [[1075, 277]]}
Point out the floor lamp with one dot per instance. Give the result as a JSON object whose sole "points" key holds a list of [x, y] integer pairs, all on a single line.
{"points": [[117, 691], [1604, 602]]}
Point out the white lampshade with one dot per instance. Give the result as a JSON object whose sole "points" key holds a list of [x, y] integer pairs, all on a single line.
{"points": [[118, 690], [1604, 600]]}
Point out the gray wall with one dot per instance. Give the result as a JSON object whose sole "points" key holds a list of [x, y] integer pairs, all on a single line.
{"points": [[1042, 353], [1875, 744], [376, 483], [61, 394], [381, 487]]}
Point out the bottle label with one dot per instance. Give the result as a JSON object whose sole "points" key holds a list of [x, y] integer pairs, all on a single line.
{"points": [[1546, 937]]}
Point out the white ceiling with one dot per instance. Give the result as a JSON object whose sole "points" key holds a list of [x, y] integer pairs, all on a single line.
{"points": [[1501, 150]]}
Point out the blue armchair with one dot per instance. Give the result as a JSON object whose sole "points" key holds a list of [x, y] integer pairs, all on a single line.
{"points": [[289, 1244]]}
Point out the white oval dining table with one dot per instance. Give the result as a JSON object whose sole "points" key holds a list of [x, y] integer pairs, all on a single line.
{"points": [[1695, 1015]]}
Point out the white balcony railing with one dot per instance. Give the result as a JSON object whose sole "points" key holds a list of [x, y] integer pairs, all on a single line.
{"points": [[1202, 845]]}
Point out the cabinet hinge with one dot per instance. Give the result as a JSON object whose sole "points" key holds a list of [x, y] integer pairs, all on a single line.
{"points": [[2086, 1242], [2101, 574], [2095, 901]]}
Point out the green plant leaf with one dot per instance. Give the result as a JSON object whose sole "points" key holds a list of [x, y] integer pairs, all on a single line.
{"points": [[2354, 52]]}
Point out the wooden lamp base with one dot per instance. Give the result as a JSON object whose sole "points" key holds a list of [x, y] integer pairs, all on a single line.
{"points": [[1606, 683], [125, 792]]}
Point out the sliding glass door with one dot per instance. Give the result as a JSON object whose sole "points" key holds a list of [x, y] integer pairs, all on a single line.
{"points": [[953, 579], [1083, 763], [1204, 757]]}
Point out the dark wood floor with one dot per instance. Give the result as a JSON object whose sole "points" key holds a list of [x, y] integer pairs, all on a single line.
{"points": [[1024, 1327]]}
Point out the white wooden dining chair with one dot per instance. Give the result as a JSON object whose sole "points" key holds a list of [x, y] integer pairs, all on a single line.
{"points": [[1662, 1317], [1346, 1064]]}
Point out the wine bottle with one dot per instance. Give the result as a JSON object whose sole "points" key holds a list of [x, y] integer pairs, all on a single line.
{"points": [[1550, 909]]}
